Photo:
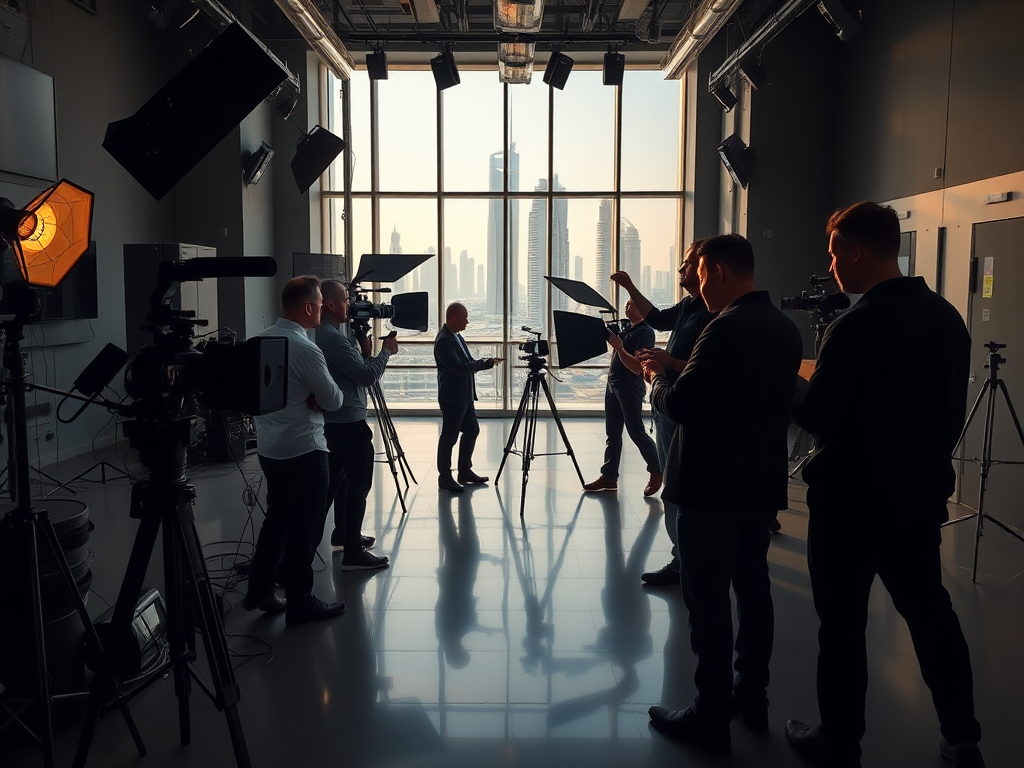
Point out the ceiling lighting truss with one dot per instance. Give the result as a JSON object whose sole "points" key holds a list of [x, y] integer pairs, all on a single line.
{"points": [[704, 23], [510, 16], [315, 29]]}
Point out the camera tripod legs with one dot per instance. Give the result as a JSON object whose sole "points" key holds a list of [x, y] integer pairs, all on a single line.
{"points": [[392, 448], [528, 410]]}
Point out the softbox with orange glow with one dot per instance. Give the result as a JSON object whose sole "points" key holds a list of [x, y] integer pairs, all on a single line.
{"points": [[49, 234]]}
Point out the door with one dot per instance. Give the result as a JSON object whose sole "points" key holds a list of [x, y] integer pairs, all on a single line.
{"points": [[997, 314]]}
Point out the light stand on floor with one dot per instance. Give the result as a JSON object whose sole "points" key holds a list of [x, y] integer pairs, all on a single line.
{"points": [[992, 384]]}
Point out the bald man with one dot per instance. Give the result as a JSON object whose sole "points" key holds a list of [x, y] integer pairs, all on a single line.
{"points": [[456, 394]]}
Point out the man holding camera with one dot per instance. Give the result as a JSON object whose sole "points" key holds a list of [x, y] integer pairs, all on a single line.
{"points": [[349, 437], [456, 393], [293, 455], [897, 363], [686, 320], [623, 405], [728, 473]]}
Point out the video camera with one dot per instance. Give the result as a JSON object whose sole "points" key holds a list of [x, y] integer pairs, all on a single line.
{"points": [[536, 347], [828, 305], [406, 310]]}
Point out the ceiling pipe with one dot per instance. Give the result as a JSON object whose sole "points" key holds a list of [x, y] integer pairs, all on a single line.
{"points": [[704, 23]]}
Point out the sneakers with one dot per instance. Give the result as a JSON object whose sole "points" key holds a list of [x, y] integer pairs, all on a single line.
{"points": [[338, 541], [962, 755], [654, 484], [310, 608], [364, 561], [686, 725], [663, 577], [601, 484]]}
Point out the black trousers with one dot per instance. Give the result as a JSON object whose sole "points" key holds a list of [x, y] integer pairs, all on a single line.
{"points": [[905, 555], [294, 525], [456, 418], [623, 407], [351, 476], [719, 549]]}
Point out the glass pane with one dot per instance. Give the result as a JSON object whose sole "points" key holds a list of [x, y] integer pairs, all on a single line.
{"points": [[410, 226], [472, 259], [585, 133], [362, 232], [587, 244], [407, 107], [359, 150], [530, 296], [651, 135], [473, 113], [648, 245], [580, 388], [528, 132]]}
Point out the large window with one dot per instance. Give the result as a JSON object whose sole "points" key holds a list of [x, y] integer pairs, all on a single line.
{"points": [[503, 185]]}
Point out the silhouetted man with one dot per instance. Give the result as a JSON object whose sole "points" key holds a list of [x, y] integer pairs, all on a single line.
{"points": [[456, 394], [727, 472], [895, 364]]}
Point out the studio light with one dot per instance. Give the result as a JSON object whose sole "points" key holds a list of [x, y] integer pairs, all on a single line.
{"points": [[256, 163], [511, 16], [446, 72], [515, 74], [515, 63], [557, 71], [316, 151], [377, 65], [725, 96], [50, 234], [614, 66], [753, 74], [737, 158]]}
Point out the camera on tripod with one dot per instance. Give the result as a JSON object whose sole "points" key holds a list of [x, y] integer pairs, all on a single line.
{"points": [[828, 305], [406, 310], [535, 347]]}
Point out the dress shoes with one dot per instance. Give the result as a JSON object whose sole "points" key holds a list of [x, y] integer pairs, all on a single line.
{"points": [[448, 484], [268, 604], [809, 742], [601, 484], [338, 541], [309, 608], [363, 561], [753, 715], [663, 577], [687, 725], [654, 484], [962, 755], [471, 478]]}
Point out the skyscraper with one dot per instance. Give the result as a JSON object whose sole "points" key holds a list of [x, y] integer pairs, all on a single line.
{"points": [[495, 250], [603, 251], [396, 247], [629, 248], [536, 248], [466, 276], [577, 271], [645, 282]]}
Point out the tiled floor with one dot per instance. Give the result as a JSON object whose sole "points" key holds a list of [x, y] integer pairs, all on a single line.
{"points": [[493, 641]]}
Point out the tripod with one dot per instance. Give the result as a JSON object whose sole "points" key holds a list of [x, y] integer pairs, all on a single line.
{"points": [[166, 500], [28, 526], [992, 384], [535, 382], [393, 452]]}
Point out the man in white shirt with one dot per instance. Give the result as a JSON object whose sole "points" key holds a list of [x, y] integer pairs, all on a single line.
{"points": [[293, 455]]}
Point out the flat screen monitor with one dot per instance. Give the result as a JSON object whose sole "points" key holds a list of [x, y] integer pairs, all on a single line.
{"points": [[28, 130]]}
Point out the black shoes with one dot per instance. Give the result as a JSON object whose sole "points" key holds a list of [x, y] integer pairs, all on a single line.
{"points": [[663, 577], [338, 541], [962, 756], [364, 561], [809, 742], [447, 483], [471, 478], [754, 716], [309, 608], [774, 526], [271, 604], [686, 725]]}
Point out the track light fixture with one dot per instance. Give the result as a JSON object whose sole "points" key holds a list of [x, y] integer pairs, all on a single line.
{"points": [[737, 158], [753, 74], [446, 72], [256, 163], [377, 65], [725, 96], [614, 66], [557, 71]]}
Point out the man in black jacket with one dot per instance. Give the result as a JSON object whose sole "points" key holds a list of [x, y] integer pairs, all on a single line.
{"points": [[456, 393], [732, 403], [896, 364]]}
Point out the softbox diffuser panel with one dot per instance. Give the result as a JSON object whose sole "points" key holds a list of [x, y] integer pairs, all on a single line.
{"points": [[411, 310], [578, 337], [580, 292], [168, 136], [387, 267]]}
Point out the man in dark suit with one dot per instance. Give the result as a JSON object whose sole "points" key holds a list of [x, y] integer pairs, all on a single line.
{"points": [[732, 401], [896, 364], [456, 393]]}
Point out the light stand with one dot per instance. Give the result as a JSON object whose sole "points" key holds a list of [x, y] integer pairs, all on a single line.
{"points": [[535, 383], [991, 385]]}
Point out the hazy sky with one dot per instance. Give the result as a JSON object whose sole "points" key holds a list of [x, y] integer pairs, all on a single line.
{"points": [[583, 156]]}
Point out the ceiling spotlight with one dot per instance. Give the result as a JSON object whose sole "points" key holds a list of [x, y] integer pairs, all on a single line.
{"points": [[513, 16], [753, 74], [843, 19], [377, 65], [514, 74], [558, 69], [446, 73], [737, 158], [256, 163], [725, 96], [614, 66]]}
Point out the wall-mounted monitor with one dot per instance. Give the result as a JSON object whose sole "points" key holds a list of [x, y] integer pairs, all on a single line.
{"points": [[28, 130]]}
